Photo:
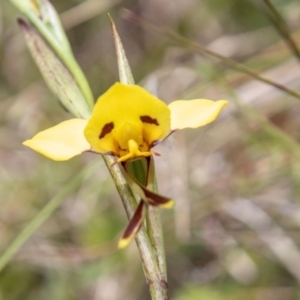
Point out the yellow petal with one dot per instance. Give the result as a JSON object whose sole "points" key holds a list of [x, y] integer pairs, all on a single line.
{"points": [[194, 113], [62, 141], [123, 104]]}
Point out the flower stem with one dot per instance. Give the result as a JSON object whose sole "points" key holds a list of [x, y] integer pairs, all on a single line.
{"points": [[155, 226], [157, 284], [156, 235]]}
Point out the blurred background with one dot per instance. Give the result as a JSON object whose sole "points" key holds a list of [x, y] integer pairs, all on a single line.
{"points": [[235, 230]]}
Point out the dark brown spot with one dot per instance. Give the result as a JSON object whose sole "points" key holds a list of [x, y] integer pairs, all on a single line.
{"points": [[107, 128], [147, 119]]}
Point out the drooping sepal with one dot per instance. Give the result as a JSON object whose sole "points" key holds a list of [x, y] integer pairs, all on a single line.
{"points": [[148, 196], [134, 225]]}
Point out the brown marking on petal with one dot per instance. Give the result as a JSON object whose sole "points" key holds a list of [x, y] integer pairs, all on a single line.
{"points": [[147, 119], [107, 128]]}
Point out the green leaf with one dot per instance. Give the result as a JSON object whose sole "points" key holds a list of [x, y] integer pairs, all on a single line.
{"points": [[44, 18], [51, 19], [57, 76]]}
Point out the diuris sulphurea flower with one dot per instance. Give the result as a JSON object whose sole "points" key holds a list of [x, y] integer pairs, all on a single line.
{"points": [[127, 121]]}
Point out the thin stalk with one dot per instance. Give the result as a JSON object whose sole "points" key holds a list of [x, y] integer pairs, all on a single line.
{"points": [[155, 227], [157, 287], [132, 17], [144, 172], [156, 235], [43, 215], [282, 27]]}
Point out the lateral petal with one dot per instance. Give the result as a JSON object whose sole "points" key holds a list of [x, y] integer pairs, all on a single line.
{"points": [[194, 113], [62, 141]]}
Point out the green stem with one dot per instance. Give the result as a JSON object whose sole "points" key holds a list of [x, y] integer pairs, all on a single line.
{"points": [[157, 286], [156, 235], [155, 226], [139, 170], [43, 215]]}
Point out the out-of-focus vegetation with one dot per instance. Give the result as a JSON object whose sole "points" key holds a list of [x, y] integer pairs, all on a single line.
{"points": [[234, 233]]}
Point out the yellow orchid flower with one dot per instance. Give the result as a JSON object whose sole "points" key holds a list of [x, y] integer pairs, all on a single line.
{"points": [[127, 121]]}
